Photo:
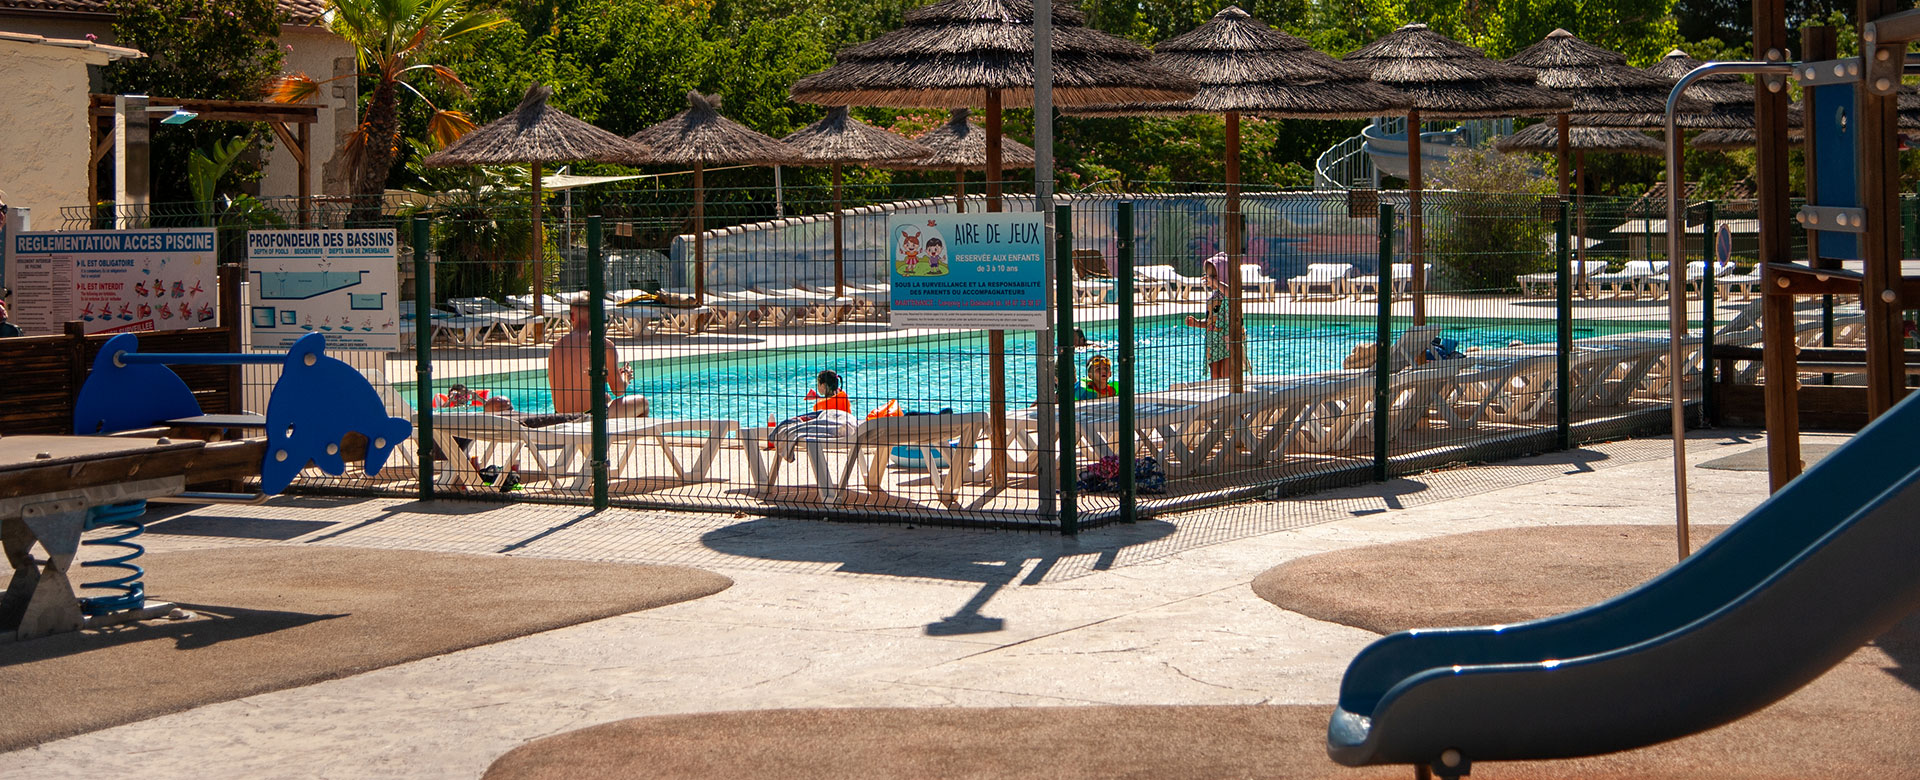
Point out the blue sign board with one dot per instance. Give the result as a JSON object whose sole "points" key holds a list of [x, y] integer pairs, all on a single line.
{"points": [[975, 271]]}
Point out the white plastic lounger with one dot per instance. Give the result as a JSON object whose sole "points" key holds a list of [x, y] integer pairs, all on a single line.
{"points": [[1255, 278], [1629, 280], [942, 439], [633, 432], [1179, 286], [1331, 276], [1545, 284], [515, 324], [1359, 286]]}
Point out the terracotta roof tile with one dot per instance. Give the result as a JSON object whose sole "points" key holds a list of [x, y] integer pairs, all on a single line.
{"points": [[300, 11]]}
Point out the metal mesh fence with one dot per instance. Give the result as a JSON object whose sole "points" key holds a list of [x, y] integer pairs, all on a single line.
{"points": [[1323, 357]]}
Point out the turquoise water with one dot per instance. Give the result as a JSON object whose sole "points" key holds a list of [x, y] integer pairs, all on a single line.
{"points": [[951, 370]]}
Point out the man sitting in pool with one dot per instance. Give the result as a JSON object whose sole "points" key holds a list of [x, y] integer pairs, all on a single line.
{"points": [[568, 367]]}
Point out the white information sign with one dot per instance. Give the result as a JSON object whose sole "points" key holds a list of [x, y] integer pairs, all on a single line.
{"points": [[338, 283], [114, 281]]}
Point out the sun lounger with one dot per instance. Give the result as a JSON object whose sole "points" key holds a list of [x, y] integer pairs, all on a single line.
{"points": [[506, 440], [1544, 284], [515, 324], [1331, 276], [1183, 429], [1254, 278], [1338, 421], [1359, 286], [942, 439], [551, 306], [1629, 280], [1178, 286], [1692, 275], [460, 329]]}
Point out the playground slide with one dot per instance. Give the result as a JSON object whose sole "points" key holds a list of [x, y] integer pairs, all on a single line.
{"points": [[1773, 602]]}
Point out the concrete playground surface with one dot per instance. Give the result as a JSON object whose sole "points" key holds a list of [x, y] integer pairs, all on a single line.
{"points": [[842, 615]]}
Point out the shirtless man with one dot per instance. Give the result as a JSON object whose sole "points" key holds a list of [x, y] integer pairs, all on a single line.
{"points": [[568, 367]]}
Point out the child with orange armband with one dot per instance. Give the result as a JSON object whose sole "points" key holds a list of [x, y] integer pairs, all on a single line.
{"points": [[828, 395]]}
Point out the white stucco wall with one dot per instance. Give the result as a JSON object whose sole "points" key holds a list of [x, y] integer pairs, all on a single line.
{"points": [[321, 55], [43, 126]]}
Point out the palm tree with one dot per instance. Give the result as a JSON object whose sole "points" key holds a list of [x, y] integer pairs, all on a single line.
{"points": [[392, 38]]}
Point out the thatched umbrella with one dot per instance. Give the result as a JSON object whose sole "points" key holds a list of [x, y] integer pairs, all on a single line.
{"points": [[1721, 101], [961, 145], [1445, 79], [959, 53], [1245, 66], [537, 134], [700, 136], [839, 139], [1545, 137], [1597, 80]]}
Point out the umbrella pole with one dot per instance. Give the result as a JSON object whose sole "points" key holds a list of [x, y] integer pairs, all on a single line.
{"points": [[539, 263], [839, 268], [996, 339], [1236, 326], [959, 190], [1561, 152], [1416, 240], [699, 241], [1580, 208]]}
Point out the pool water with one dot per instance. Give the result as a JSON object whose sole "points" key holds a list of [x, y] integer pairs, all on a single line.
{"points": [[950, 371]]}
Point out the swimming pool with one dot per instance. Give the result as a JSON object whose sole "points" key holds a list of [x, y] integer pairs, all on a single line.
{"points": [[930, 373]]}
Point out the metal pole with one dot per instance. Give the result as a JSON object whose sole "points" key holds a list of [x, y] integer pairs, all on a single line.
{"points": [[779, 194], [597, 361], [1709, 248], [423, 355], [1059, 237], [1123, 240], [1676, 292], [1383, 346], [1563, 282], [1063, 371]]}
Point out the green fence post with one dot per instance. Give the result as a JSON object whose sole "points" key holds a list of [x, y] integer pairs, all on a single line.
{"points": [[597, 366], [1563, 336], [423, 353], [1709, 246], [1383, 346], [1063, 367], [1123, 240]]}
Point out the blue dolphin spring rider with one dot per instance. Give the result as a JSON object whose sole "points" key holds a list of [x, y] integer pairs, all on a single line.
{"points": [[317, 401]]}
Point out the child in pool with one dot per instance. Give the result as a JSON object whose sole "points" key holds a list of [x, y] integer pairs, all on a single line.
{"points": [[1099, 381]]}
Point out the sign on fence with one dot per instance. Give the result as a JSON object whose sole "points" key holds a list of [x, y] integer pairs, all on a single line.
{"points": [[968, 271], [339, 283], [114, 281]]}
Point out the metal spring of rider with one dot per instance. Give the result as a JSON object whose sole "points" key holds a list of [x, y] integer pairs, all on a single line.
{"points": [[133, 593]]}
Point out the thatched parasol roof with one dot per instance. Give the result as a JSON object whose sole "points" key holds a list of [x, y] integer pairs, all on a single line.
{"points": [[1246, 66], [537, 133], [1722, 101], [1544, 137], [948, 54], [1598, 81], [1722, 140], [701, 135], [1446, 79], [839, 138], [962, 144]]}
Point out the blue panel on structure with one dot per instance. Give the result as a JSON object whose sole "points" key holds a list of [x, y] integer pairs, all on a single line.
{"points": [[316, 402], [122, 397], [1832, 131]]}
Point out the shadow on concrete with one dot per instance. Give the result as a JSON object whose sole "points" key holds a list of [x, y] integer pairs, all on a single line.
{"points": [[992, 559]]}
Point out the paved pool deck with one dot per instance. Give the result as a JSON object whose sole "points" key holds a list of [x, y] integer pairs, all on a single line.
{"points": [[838, 615]]}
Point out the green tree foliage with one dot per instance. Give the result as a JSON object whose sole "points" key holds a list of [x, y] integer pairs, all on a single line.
{"points": [[1490, 228], [201, 49]]}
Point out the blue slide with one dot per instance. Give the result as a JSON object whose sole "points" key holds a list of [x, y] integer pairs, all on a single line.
{"points": [[1822, 567]]}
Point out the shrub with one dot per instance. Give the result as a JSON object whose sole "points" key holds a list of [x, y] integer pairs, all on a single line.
{"points": [[1490, 227]]}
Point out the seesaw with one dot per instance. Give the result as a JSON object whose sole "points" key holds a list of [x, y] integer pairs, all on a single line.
{"points": [[54, 488]]}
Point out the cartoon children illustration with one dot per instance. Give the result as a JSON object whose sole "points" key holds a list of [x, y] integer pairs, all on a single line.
{"points": [[166, 313], [308, 324], [147, 311], [326, 324], [126, 311], [140, 289], [206, 312], [936, 257], [179, 289], [86, 312], [909, 253], [196, 289], [185, 313]]}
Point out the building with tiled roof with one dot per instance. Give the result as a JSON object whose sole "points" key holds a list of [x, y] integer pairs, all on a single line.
{"points": [[297, 11], [310, 48]]}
